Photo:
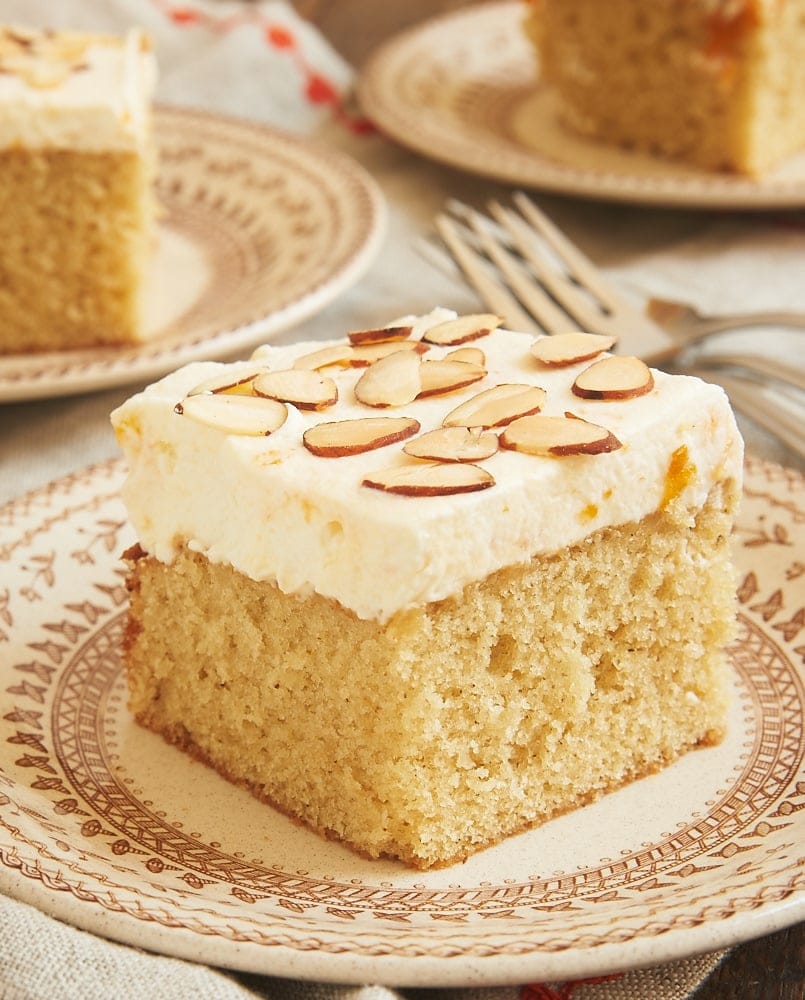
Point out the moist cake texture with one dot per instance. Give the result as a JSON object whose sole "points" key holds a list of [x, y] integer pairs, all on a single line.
{"points": [[716, 83], [420, 656], [76, 176]]}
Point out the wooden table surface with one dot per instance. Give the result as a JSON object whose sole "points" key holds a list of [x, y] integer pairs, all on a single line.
{"points": [[773, 967]]}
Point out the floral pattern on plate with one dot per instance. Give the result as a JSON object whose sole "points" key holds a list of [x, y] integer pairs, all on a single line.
{"points": [[104, 825]]}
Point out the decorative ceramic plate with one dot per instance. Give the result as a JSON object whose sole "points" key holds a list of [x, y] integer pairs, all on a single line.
{"points": [[259, 230], [104, 825], [464, 89]]}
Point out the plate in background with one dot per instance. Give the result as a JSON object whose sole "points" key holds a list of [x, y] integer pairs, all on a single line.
{"points": [[464, 89], [259, 229]]}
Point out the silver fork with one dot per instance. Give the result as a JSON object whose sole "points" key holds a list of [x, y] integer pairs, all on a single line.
{"points": [[527, 271], [687, 325]]}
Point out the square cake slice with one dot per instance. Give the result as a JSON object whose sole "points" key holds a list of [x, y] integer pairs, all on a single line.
{"points": [[430, 585], [76, 178], [715, 83]]}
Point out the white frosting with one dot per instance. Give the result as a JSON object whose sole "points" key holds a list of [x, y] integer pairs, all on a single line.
{"points": [[278, 513], [105, 105]]}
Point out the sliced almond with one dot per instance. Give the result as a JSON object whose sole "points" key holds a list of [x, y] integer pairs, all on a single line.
{"points": [[307, 390], [21, 36], [614, 378], [439, 377], [335, 354], [440, 479], [545, 435], [392, 381], [351, 437], [497, 406], [247, 415], [380, 335], [229, 382], [462, 328], [367, 354], [570, 348], [454, 444], [474, 355]]}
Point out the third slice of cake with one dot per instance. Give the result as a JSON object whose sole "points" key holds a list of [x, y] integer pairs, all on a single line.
{"points": [[427, 586], [716, 83]]}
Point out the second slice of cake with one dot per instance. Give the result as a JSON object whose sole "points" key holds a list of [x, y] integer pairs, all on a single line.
{"points": [[424, 593], [76, 200]]}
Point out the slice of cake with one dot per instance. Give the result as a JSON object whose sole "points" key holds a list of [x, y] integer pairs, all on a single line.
{"points": [[76, 202], [716, 83], [432, 584]]}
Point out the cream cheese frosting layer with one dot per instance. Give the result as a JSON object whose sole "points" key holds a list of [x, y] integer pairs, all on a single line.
{"points": [[278, 513], [72, 91]]}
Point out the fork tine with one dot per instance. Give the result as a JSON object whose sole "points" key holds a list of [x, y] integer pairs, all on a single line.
{"points": [[576, 261], [506, 238], [492, 293], [575, 301], [541, 306], [432, 249], [465, 212], [757, 364]]}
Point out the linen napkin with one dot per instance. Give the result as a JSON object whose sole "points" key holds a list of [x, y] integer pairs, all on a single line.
{"points": [[44, 959], [263, 61]]}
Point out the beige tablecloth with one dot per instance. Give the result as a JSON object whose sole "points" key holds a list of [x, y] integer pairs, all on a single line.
{"points": [[213, 54]]}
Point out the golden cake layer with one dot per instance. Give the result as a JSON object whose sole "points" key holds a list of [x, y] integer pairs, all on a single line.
{"points": [[716, 83], [76, 201]]}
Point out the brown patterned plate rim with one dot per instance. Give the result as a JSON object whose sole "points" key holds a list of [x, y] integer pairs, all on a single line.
{"points": [[350, 200], [438, 117], [94, 828]]}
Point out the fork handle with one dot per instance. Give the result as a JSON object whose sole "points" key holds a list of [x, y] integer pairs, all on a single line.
{"points": [[716, 324], [688, 326], [758, 365]]}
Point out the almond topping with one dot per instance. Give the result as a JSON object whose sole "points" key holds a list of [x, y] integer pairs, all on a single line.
{"points": [[439, 377], [614, 378], [351, 437], [454, 444], [497, 406], [230, 382], [430, 480], [392, 381], [569, 348], [462, 329], [247, 415], [379, 336], [367, 354], [305, 389], [474, 355], [568, 435], [335, 354]]}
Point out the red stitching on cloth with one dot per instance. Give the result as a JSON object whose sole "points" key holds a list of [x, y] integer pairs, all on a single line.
{"points": [[279, 37], [317, 88], [563, 991], [183, 15]]}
